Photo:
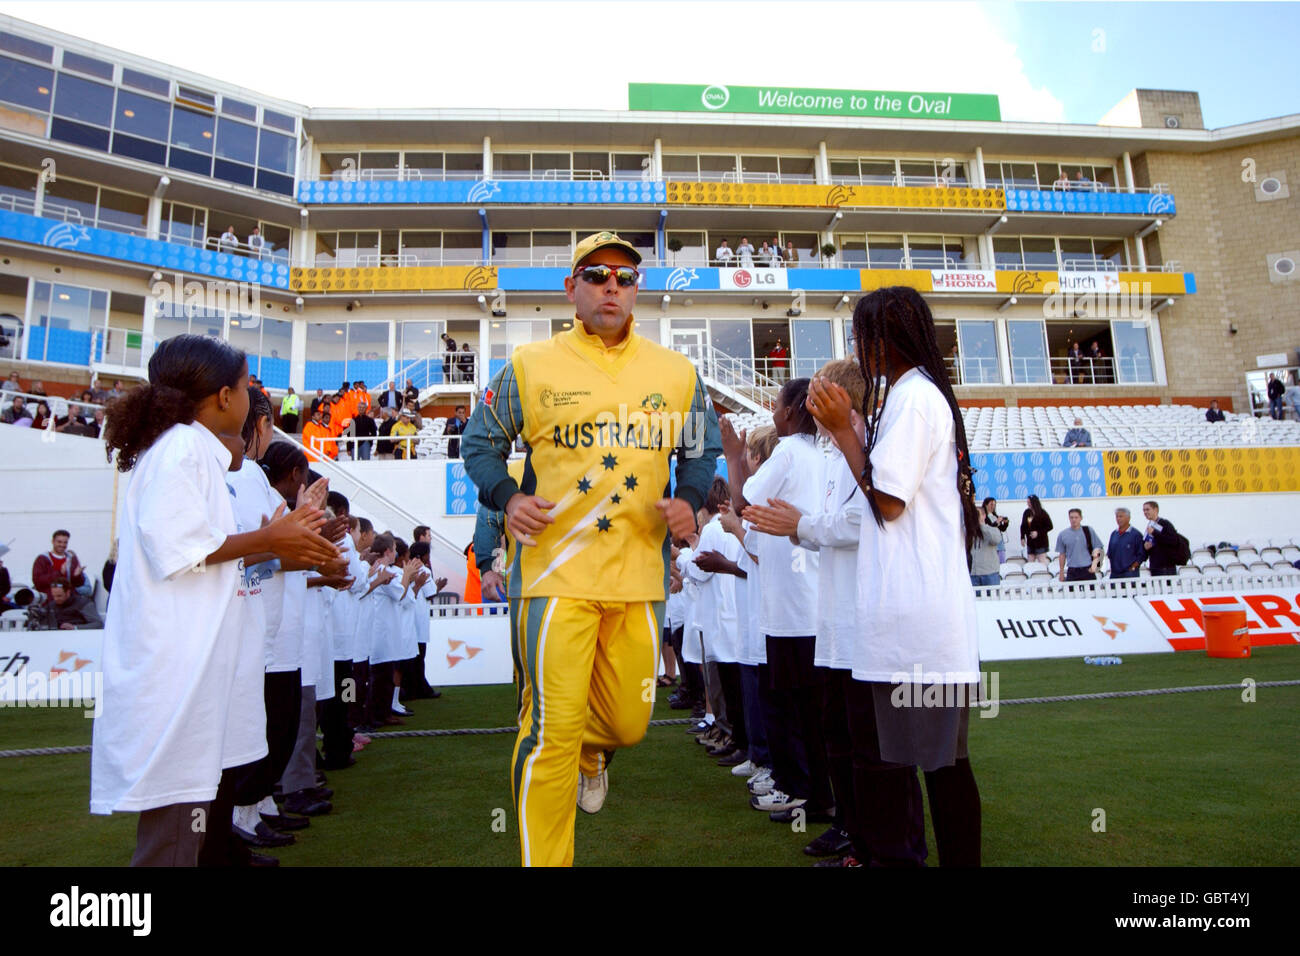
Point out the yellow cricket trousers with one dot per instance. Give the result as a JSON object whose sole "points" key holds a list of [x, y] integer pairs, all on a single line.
{"points": [[587, 670]]}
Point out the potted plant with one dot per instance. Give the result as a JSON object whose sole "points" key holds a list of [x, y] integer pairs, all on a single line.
{"points": [[828, 252], [675, 246]]}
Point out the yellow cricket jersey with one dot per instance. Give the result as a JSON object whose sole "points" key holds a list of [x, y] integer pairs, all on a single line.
{"points": [[600, 424]]}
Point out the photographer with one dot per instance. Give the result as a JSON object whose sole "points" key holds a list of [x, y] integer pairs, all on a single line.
{"points": [[66, 610], [989, 512]]}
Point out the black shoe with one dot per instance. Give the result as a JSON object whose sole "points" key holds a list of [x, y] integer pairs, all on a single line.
{"points": [[724, 746], [434, 693], [305, 804], [834, 842], [321, 779], [733, 759], [697, 712], [340, 764], [261, 859], [285, 824], [321, 793], [678, 703], [808, 816], [264, 836], [837, 861]]}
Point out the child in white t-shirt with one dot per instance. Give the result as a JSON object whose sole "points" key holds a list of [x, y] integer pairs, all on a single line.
{"points": [[170, 628]]}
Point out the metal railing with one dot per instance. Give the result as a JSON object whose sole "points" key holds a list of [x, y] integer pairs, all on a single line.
{"points": [[1050, 588], [59, 405], [120, 348], [440, 368], [410, 174], [741, 376], [1244, 431]]}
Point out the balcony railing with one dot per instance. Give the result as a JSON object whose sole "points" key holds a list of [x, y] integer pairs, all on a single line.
{"points": [[440, 368], [457, 175]]}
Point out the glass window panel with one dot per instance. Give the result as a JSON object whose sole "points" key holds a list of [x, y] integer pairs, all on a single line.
{"points": [[885, 252], [1040, 252], [69, 308], [805, 249], [196, 96], [146, 82], [462, 248], [25, 84], [326, 357], [425, 247], [1048, 173], [65, 194], [181, 223], [552, 166], [1021, 175], [375, 159], [367, 352], [552, 248], [798, 169], [918, 173], [512, 165], [1006, 253], [643, 242], [633, 166], [1028, 346], [123, 212], [79, 99], [279, 120], [87, 65], [275, 182], [277, 337], [853, 252], [79, 134], [760, 169], [979, 352], [415, 340], [693, 252], [1077, 254], [511, 247], [955, 250], [237, 108], [28, 48], [844, 169], [332, 164], [426, 165], [648, 328], [463, 163], [993, 175], [927, 252], [878, 172], [237, 141], [1132, 351], [681, 168], [245, 332], [811, 341], [1104, 175], [1112, 251], [326, 248], [584, 164], [141, 116], [234, 172], [733, 337], [275, 152], [717, 168], [19, 184], [192, 130], [190, 162]]}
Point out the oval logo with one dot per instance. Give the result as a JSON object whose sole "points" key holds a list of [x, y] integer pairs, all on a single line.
{"points": [[742, 278], [715, 97]]}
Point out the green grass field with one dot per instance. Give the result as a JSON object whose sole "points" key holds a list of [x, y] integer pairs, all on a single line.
{"points": [[1184, 779]]}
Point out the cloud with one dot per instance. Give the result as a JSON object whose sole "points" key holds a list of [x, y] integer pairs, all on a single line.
{"points": [[570, 55]]}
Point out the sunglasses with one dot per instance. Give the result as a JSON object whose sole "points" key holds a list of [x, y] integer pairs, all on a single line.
{"points": [[599, 275]]}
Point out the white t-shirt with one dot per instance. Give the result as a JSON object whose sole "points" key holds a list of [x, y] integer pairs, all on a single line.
{"points": [[692, 644], [916, 606], [788, 581], [170, 648], [834, 533], [346, 607], [389, 642], [753, 648], [716, 614], [246, 723], [364, 638]]}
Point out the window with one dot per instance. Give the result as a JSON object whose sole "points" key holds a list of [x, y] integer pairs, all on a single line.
{"points": [[810, 341], [196, 97], [141, 116], [246, 111], [236, 141], [122, 212], [979, 352], [184, 224], [552, 248], [552, 166], [78, 99], [25, 84], [71, 200], [760, 169], [275, 152], [421, 248], [326, 363], [681, 168], [59, 328], [1132, 351], [423, 165], [463, 165], [733, 337], [798, 169], [28, 48], [1028, 343], [192, 130], [885, 252], [631, 166], [715, 169], [462, 248], [694, 250], [17, 188], [146, 82], [280, 121], [87, 65]]}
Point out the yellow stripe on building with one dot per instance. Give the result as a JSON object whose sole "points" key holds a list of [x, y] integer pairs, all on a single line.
{"points": [[397, 279], [889, 197], [918, 279], [1202, 471]]}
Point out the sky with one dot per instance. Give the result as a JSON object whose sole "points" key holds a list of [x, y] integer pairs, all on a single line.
{"points": [[1047, 62]]}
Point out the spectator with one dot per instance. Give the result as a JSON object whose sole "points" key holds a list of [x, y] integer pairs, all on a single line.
{"points": [[229, 242], [38, 388], [1212, 414], [1062, 181], [1275, 392], [1097, 362], [1078, 436], [1079, 548], [366, 430], [12, 383], [1292, 397], [1082, 182], [422, 534], [1160, 542], [385, 444], [791, 255], [723, 255], [66, 610], [317, 435], [1075, 357], [985, 569], [1034, 526], [290, 407], [776, 361], [6, 603], [745, 253], [466, 361], [316, 403], [449, 358], [416, 419], [989, 512], [58, 562], [1125, 550], [17, 413], [360, 396], [456, 426], [405, 429], [776, 252], [764, 257], [390, 397], [255, 242], [96, 427], [41, 417], [411, 394]]}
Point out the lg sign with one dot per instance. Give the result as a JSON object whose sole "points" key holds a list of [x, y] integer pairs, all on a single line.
{"points": [[757, 279]]}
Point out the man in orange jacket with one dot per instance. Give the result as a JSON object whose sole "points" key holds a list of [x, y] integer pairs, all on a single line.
{"points": [[320, 428]]}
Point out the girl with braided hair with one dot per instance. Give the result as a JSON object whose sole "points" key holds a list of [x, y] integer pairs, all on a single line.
{"points": [[916, 656]]}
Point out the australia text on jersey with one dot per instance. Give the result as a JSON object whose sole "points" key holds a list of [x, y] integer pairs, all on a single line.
{"points": [[654, 430]]}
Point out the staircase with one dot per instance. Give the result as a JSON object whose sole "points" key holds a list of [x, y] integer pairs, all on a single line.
{"points": [[734, 383], [429, 375]]}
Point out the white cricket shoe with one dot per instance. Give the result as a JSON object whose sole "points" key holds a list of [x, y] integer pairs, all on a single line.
{"points": [[746, 769], [775, 800], [592, 791]]}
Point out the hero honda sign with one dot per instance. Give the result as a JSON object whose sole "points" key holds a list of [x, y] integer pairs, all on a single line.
{"points": [[963, 280]]}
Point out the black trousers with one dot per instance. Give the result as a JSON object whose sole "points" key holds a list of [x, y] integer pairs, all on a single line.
{"points": [[335, 727], [289, 423], [839, 744], [1082, 573], [381, 691], [798, 750], [220, 845], [359, 706], [734, 695], [283, 711]]}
